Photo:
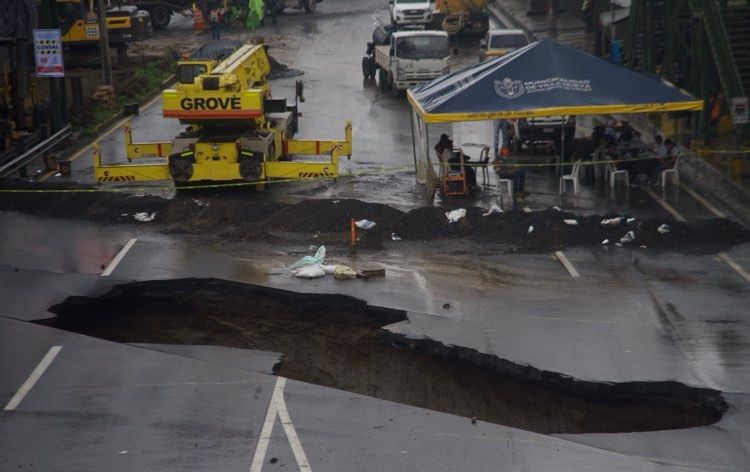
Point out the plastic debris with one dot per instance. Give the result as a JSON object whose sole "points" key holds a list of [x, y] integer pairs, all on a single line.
{"points": [[663, 229], [455, 215], [618, 244], [643, 247], [611, 221], [58, 174], [309, 272], [201, 203], [364, 224], [122, 452], [123, 214], [317, 259], [336, 201], [493, 209], [630, 220], [395, 237], [531, 228], [343, 272], [144, 217], [556, 208], [329, 269], [628, 238], [606, 241], [571, 222]]}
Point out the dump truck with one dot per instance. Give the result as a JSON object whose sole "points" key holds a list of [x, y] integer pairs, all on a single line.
{"points": [[462, 16], [403, 59], [236, 131]]}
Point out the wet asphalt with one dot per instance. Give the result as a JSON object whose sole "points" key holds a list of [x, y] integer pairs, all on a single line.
{"points": [[633, 315]]}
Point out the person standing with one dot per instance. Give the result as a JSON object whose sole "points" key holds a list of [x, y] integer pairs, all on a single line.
{"points": [[214, 19]]}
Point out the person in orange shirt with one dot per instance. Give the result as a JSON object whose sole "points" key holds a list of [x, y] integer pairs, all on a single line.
{"points": [[714, 114]]}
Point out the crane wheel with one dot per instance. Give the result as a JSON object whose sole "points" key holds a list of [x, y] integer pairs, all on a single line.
{"points": [[181, 166], [161, 15]]}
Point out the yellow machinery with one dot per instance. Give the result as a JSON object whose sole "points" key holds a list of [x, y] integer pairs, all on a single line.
{"points": [[456, 16], [236, 131], [79, 24]]}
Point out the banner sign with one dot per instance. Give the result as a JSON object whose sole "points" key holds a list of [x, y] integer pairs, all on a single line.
{"points": [[739, 111], [48, 53]]}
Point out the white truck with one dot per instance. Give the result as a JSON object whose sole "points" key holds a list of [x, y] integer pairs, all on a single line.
{"points": [[411, 12], [403, 59]]}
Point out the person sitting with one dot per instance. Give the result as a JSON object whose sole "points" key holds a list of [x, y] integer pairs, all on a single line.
{"points": [[445, 145], [659, 148], [518, 177], [667, 161]]}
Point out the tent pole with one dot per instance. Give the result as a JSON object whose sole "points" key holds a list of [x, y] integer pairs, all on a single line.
{"points": [[562, 140], [413, 144]]}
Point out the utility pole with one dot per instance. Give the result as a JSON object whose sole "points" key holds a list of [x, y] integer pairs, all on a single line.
{"points": [[104, 43], [58, 102]]}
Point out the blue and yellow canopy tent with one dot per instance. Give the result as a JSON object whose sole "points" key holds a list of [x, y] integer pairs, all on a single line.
{"points": [[544, 78]]}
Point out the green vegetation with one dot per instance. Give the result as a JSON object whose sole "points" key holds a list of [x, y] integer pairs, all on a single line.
{"points": [[133, 86]]}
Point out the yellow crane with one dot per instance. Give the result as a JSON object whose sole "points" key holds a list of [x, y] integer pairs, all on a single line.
{"points": [[236, 131]]}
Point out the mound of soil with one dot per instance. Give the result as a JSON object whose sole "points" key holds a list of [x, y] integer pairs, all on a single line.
{"points": [[281, 71], [250, 216]]}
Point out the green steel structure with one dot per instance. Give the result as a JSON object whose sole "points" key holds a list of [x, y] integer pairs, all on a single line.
{"points": [[700, 45]]}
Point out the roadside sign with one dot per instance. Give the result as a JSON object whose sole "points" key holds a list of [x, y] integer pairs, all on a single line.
{"points": [[48, 53], [739, 111]]}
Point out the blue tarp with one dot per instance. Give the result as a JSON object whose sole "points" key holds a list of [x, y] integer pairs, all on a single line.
{"points": [[544, 78]]}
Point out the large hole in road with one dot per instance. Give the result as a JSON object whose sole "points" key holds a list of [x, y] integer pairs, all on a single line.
{"points": [[338, 342]]}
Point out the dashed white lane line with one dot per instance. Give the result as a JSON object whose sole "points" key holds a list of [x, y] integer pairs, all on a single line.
{"points": [[567, 264], [723, 256], [670, 209], [736, 267], [278, 406], [112, 265], [33, 378]]}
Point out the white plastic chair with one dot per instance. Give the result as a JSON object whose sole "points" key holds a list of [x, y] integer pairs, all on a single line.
{"points": [[509, 185], [614, 173], [674, 172], [572, 177]]}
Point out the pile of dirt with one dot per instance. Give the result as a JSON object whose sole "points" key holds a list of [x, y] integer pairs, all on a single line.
{"points": [[248, 216], [551, 232], [281, 71], [329, 215]]}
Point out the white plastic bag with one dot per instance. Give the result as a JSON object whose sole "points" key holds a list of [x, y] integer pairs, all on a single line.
{"points": [[628, 238], [571, 222], [493, 209], [144, 217], [309, 272], [612, 221], [455, 215], [663, 229], [364, 224], [317, 259], [328, 269]]}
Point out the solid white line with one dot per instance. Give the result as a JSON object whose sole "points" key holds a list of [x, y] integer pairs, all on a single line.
{"points": [[265, 432], [278, 406], [566, 263], [33, 378], [737, 268], [703, 201], [670, 209], [291, 434], [112, 265]]}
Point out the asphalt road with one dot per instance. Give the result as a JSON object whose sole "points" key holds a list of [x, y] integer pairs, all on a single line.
{"points": [[632, 315]]}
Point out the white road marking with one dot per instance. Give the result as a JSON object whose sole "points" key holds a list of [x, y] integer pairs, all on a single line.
{"points": [[670, 209], [737, 268], [566, 263], [278, 406], [33, 378], [703, 201], [118, 257]]}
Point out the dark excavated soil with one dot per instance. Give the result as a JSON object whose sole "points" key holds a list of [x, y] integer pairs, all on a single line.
{"points": [[338, 342], [250, 216]]}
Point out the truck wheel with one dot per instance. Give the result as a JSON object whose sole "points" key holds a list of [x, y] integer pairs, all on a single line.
{"points": [[382, 81], [249, 161], [366, 69], [310, 5], [160, 16]]}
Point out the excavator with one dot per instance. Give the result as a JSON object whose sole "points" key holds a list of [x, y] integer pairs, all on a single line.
{"points": [[79, 24], [236, 131]]}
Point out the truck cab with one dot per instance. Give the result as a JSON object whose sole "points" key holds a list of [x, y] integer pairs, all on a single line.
{"points": [[499, 42], [417, 56], [411, 12]]}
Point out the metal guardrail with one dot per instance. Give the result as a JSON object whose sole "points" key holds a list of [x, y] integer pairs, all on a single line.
{"points": [[38, 149]]}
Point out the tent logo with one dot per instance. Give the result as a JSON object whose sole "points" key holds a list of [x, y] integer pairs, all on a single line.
{"points": [[509, 88]]}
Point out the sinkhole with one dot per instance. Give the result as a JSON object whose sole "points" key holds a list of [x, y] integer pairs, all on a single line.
{"points": [[340, 342]]}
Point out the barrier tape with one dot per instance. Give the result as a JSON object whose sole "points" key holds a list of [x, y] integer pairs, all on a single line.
{"points": [[722, 151], [380, 170]]}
